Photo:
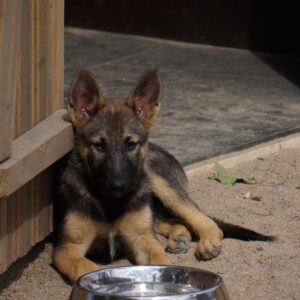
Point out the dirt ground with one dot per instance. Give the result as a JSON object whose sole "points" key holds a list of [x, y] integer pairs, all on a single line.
{"points": [[251, 270]]}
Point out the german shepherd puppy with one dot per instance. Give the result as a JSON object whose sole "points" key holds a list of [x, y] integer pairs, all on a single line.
{"points": [[115, 184]]}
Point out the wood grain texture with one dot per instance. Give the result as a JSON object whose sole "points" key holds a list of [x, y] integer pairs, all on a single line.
{"points": [[40, 60], [34, 151], [26, 215], [9, 39], [25, 218]]}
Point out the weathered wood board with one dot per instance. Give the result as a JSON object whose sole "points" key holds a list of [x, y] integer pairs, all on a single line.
{"points": [[34, 151], [26, 214], [9, 40]]}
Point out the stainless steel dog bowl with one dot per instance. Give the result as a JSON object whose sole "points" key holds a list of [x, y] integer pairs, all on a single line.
{"points": [[150, 282]]}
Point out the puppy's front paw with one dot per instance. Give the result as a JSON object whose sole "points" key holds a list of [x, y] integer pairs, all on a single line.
{"points": [[209, 245], [159, 259], [179, 244]]}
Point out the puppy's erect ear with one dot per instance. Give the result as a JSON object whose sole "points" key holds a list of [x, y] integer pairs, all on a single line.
{"points": [[144, 98], [85, 98]]}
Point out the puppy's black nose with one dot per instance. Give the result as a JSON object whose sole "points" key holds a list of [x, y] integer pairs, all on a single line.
{"points": [[118, 184]]}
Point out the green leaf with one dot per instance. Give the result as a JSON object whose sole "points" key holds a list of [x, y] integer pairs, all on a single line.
{"points": [[241, 175], [222, 175], [252, 180]]}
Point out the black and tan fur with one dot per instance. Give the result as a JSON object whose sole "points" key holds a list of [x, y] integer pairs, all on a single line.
{"points": [[116, 186]]}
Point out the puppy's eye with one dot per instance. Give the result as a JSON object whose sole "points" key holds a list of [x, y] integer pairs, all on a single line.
{"points": [[130, 145], [100, 147]]}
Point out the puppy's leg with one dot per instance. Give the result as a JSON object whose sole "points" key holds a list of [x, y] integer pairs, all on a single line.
{"points": [[179, 237], [69, 256], [181, 205], [135, 229]]}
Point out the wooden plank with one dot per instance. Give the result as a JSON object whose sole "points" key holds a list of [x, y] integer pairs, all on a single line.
{"points": [[25, 218], [40, 61], [9, 40], [3, 235], [35, 151], [40, 70]]}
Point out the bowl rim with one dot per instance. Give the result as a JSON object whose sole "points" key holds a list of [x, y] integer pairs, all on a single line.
{"points": [[219, 281]]}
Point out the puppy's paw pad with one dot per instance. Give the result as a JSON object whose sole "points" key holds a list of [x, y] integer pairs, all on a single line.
{"points": [[180, 244], [208, 248]]}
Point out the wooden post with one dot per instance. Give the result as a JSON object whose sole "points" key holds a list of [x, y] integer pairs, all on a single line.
{"points": [[26, 215], [41, 61], [9, 38]]}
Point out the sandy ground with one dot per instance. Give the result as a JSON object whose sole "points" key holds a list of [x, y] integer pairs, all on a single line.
{"points": [[251, 270]]}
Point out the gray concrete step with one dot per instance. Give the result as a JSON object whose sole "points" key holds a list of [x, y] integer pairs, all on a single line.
{"points": [[215, 100]]}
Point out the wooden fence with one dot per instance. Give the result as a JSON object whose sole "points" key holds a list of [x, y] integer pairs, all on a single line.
{"points": [[32, 133]]}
